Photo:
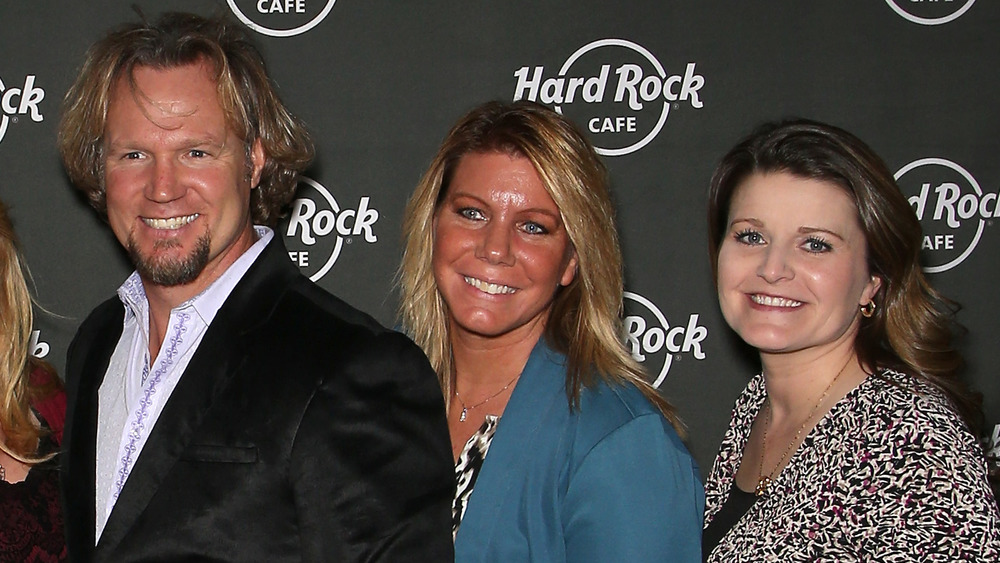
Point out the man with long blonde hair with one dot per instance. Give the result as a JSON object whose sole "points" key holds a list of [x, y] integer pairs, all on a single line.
{"points": [[223, 407]]}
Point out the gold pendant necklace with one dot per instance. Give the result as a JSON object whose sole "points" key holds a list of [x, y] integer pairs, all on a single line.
{"points": [[466, 409], [765, 481]]}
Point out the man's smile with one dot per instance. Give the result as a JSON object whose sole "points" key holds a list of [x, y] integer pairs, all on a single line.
{"points": [[169, 223]]}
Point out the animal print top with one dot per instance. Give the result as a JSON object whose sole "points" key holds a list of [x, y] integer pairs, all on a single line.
{"points": [[889, 474], [467, 468]]}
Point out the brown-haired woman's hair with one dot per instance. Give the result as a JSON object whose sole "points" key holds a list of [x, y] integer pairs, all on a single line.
{"points": [[17, 390], [913, 326], [585, 320], [251, 105]]}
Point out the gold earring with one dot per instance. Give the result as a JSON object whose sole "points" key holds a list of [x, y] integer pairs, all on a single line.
{"points": [[868, 309]]}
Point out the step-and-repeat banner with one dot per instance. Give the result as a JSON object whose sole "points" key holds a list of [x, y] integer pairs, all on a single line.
{"points": [[663, 87]]}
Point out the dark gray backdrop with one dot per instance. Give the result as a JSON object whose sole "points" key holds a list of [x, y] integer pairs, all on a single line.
{"points": [[380, 81]]}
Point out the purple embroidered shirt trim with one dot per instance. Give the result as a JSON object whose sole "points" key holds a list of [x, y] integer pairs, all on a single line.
{"points": [[138, 426]]}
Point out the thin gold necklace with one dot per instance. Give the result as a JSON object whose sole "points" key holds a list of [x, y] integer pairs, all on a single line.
{"points": [[466, 409], [765, 481]]}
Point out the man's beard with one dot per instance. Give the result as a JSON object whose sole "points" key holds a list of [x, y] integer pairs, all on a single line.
{"points": [[170, 271]]}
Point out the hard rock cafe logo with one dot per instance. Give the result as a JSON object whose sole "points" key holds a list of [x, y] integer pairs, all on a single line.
{"points": [[930, 12], [654, 342], [38, 348], [281, 18], [20, 100], [616, 89], [993, 452], [952, 208], [317, 228]]}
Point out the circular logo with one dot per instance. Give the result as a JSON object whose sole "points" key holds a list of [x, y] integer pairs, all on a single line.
{"points": [[313, 218], [616, 90], [930, 12], [648, 76], [280, 18], [317, 228], [653, 342], [951, 207]]}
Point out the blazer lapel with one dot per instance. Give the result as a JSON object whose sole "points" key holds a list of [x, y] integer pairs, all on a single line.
{"points": [[220, 355], [205, 378], [540, 389]]}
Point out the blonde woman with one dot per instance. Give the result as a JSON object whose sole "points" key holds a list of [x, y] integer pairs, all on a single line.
{"points": [[32, 409], [512, 284]]}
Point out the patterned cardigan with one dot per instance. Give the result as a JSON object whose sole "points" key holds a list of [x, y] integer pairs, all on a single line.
{"points": [[889, 474]]}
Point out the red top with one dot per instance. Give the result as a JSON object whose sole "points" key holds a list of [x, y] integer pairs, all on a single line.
{"points": [[31, 523]]}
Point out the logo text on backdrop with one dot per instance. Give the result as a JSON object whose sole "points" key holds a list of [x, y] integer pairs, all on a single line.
{"points": [[20, 100], [616, 89], [38, 348], [317, 228], [952, 209], [649, 336], [281, 18]]}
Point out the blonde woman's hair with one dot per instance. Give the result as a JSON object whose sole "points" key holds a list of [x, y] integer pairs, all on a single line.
{"points": [[21, 429], [585, 323]]}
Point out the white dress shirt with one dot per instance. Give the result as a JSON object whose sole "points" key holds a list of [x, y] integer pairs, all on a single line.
{"points": [[134, 391]]}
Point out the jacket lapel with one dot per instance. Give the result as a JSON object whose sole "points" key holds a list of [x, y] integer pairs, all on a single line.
{"points": [[220, 356], [540, 389]]}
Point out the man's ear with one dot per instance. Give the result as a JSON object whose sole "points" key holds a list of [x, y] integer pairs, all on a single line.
{"points": [[257, 160]]}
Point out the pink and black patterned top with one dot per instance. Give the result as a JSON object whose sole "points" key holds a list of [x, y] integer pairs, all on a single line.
{"points": [[889, 474]]}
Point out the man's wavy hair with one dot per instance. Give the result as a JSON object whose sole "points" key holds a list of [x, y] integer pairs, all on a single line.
{"points": [[913, 326], [247, 96], [585, 323]]}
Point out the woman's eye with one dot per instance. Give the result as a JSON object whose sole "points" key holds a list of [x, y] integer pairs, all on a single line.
{"points": [[750, 237], [471, 213], [817, 245], [533, 228]]}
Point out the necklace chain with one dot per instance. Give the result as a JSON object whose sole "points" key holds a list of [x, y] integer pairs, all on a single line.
{"points": [[765, 481], [466, 409]]}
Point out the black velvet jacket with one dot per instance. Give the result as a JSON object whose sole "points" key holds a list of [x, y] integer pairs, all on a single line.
{"points": [[301, 430]]}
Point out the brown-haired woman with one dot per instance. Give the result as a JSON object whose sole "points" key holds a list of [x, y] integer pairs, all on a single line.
{"points": [[32, 409], [857, 442]]}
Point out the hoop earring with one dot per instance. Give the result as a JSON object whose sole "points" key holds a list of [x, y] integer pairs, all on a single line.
{"points": [[868, 309]]}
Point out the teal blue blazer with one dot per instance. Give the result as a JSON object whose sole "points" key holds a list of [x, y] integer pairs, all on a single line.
{"points": [[610, 481]]}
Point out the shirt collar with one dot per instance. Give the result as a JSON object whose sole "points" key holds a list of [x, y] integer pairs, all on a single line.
{"points": [[207, 303]]}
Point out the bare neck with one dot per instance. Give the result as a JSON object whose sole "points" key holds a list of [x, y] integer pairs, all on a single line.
{"points": [[795, 381], [490, 362]]}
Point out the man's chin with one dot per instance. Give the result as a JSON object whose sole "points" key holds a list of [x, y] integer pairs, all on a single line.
{"points": [[168, 274], [170, 271]]}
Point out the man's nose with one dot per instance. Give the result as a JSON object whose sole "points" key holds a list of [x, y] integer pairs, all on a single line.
{"points": [[164, 186]]}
